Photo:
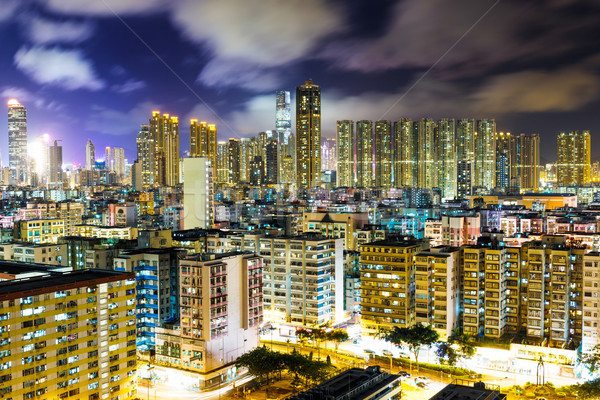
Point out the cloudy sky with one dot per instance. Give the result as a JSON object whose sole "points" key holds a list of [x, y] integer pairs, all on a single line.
{"points": [[96, 69]]}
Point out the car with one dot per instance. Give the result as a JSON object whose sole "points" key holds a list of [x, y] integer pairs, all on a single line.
{"points": [[386, 353], [404, 374], [423, 379], [368, 351], [422, 385]]}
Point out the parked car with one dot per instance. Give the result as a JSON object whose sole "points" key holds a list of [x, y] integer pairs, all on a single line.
{"points": [[423, 379], [422, 385], [404, 374], [386, 353], [367, 351]]}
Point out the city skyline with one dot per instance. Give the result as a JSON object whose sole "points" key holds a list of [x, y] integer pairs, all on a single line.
{"points": [[531, 67]]}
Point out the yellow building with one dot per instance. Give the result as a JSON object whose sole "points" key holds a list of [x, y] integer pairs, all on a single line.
{"points": [[106, 232], [40, 230], [68, 336], [308, 135], [387, 271], [203, 141], [336, 225], [165, 131], [39, 253], [345, 153], [573, 164]]}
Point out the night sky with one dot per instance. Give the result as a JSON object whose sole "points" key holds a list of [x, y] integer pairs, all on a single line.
{"points": [[96, 69]]}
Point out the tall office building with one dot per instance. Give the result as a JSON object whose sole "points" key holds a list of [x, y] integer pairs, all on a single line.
{"points": [[165, 131], [119, 161], [55, 172], [271, 162], [308, 135], [108, 159], [529, 162], [345, 153], [505, 158], [364, 154], [383, 154], [145, 155], [90, 155], [425, 132], [446, 157], [329, 155], [485, 155], [283, 117], [405, 153], [39, 163], [234, 161], [17, 142], [465, 157], [573, 166]]}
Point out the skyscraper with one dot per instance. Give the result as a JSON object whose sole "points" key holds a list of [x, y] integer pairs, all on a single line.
{"points": [[234, 161], [198, 193], [505, 157], [145, 155], [55, 177], [165, 132], [39, 163], [405, 153], [283, 117], [485, 155], [90, 155], [446, 157], [308, 135], [17, 142], [465, 155], [222, 165], [203, 140], [364, 154], [329, 155], [425, 132], [573, 166], [345, 153], [383, 154], [118, 154], [529, 162]]}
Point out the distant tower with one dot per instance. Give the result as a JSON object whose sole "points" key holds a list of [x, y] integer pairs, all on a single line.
{"points": [[17, 142], [528, 162], [345, 153], [405, 154], [119, 161], [308, 135], [234, 161], [198, 196], [446, 157], [90, 155], [504, 158], [425, 132], [165, 132], [203, 141], [364, 154], [283, 117], [383, 154], [55, 175], [485, 154], [108, 159], [145, 156], [573, 166], [465, 156]]}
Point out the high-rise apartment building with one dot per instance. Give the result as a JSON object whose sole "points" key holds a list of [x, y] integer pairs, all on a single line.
{"points": [[329, 155], [90, 155], [119, 161], [427, 162], [69, 336], [573, 166], [203, 140], [39, 164], [465, 157], [165, 132], [145, 155], [283, 117], [446, 157], [405, 154], [485, 155], [234, 161], [345, 153], [55, 172], [222, 165], [528, 162], [384, 151], [308, 135], [364, 154], [505, 159], [17, 142]]}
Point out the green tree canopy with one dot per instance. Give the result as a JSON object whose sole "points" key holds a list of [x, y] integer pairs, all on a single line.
{"points": [[458, 345], [415, 337], [591, 359]]}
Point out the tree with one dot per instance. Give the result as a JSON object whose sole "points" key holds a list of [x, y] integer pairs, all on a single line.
{"points": [[459, 345], [260, 362], [415, 337], [591, 359], [588, 390], [337, 336]]}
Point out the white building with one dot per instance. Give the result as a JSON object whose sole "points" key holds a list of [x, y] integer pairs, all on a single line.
{"points": [[198, 195]]}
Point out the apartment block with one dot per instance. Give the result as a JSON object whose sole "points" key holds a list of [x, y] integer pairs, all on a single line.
{"points": [[42, 253], [387, 272], [68, 336], [40, 230], [303, 279], [221, 309], [591, 302], [336, 225]]}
